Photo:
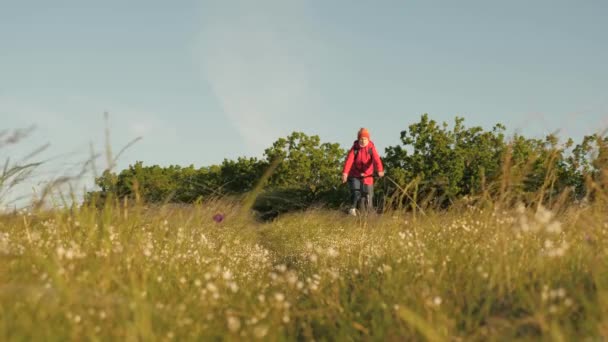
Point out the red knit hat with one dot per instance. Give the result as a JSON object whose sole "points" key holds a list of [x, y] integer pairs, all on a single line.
{"points": [[363, 133]]}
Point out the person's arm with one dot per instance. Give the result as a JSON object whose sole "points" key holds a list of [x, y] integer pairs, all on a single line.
{"points": [[378, 162], [347, 165]]}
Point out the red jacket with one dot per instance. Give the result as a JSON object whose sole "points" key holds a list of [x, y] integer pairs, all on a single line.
{"points": [[363, 162]]}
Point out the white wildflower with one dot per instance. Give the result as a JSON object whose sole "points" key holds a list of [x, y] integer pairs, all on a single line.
{"points": [[260, 331], [543, 215], [292, 278], [234, 324], [60, 252], [554, 227], [211, 287], [332, 253]]}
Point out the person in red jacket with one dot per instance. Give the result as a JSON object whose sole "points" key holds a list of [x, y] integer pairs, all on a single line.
{"points": [[359, 168]]}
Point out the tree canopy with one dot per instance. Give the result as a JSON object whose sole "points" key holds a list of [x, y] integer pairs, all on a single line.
{"points": [[435, 163]]}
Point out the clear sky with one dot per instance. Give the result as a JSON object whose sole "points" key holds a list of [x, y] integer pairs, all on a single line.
{"points": [[201, 81]]}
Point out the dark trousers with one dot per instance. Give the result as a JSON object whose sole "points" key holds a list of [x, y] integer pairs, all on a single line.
{"points": [[360, 194]]}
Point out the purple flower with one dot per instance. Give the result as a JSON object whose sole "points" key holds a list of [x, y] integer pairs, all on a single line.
{"points": [[218, 218]]}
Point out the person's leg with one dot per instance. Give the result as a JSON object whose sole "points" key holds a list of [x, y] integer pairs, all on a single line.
{"points": [[368, 191], [355, 191]]}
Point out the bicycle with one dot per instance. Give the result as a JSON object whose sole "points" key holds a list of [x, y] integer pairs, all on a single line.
{"points": [[364, 203]]}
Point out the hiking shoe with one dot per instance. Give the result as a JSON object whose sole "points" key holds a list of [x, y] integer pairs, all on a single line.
{"points": [[352, 212]]}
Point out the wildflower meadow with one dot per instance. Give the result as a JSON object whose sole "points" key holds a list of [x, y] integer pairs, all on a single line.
{"points": [[475, 238], [181, 273]]}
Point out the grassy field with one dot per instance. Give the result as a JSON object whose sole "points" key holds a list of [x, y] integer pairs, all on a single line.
{"points": [[175, 273]]}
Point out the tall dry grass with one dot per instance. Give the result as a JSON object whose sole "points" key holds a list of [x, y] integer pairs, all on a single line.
{"points": [[484, 271]]}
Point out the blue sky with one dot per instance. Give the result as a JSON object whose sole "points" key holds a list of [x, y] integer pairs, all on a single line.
{"points": [[201, 81]]}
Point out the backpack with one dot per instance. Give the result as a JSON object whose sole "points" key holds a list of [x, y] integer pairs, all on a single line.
{"points": [[369, 151]]}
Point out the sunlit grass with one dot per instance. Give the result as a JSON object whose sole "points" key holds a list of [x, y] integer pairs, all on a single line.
{"points": [[176, 273], [211, 271]]}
